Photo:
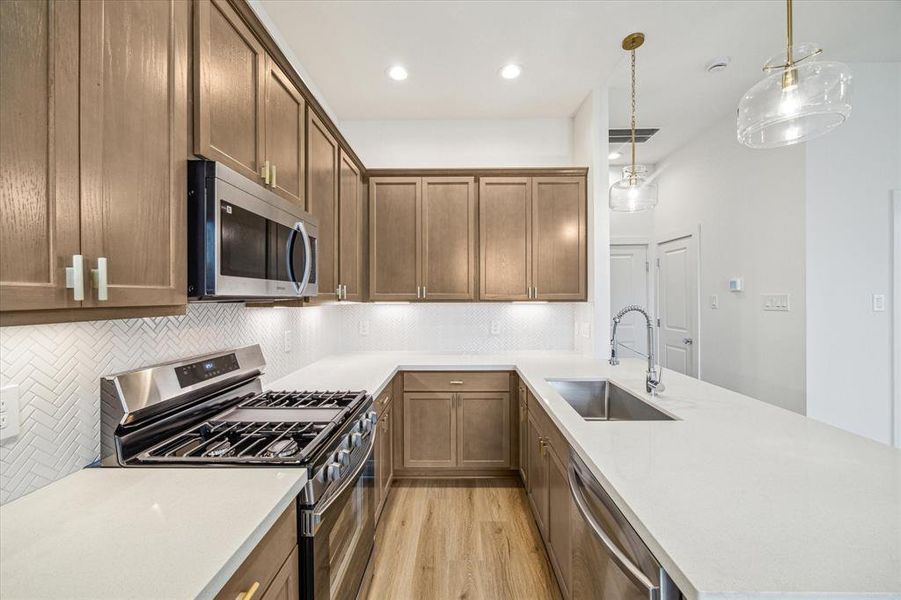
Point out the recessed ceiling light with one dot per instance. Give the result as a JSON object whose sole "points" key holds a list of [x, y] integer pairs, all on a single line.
{"points": [[511, 71], [398, 73], [614, 156]]}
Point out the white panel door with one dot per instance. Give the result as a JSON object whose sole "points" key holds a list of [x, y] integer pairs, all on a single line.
{"points": [[629, 285], [677, 307]]}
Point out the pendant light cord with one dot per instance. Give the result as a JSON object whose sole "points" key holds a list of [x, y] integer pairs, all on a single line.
{"points": [[632, 178], [789, 61]]}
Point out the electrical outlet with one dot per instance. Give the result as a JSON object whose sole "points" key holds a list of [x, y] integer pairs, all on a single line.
{"points": [[878, 302], [364, 328], [286, 341], [776, 302], [495, 327], [9, 412], [585, 329]]}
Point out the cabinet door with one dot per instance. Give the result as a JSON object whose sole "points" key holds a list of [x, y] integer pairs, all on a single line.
{"points": [[229, 68], [484, 430], [538, 476], [505, 226], [559, 520], [286, 585], [379, 460], [39, 224], [285, 118], [523, 413], [387, 448], [350, 234], [430, 430], [395, 238], [322, 200], [134, 78], [559, 245], [448, 238]]}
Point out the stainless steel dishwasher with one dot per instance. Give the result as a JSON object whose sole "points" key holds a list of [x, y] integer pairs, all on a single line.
{"points": [[610, 562]]}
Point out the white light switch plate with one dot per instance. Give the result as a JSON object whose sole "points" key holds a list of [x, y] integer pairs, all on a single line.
{"points": [[714, 301], [9, 412], [778, 302], [286, 341]]}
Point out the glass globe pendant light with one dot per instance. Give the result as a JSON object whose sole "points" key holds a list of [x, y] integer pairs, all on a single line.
{"points": [[634, 192], [801, 98]]}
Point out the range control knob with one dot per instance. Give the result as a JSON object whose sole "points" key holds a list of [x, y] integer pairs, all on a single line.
{"points": [[373, 417], [365, 425], [343, 456], [356, 439], [333, 471]]}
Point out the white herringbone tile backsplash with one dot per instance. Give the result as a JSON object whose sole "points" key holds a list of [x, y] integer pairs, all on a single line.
{"points": [[58, 367]]}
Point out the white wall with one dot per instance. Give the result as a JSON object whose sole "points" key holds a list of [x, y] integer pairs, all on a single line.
{"points": [[850, 175], [750, 208], [461, 143], [590, 149]]}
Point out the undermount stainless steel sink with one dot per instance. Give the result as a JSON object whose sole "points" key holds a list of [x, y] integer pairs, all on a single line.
{"points": [[602, 400]]}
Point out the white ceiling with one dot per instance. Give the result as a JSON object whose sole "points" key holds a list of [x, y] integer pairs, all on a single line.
{"points": [[453, 51]]}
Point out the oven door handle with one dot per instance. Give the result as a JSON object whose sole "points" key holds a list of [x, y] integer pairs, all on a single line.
{"points": [[300, 286], [311, 523]]}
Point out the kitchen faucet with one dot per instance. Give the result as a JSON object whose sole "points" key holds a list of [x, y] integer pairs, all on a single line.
{"points": [[653, 383]]}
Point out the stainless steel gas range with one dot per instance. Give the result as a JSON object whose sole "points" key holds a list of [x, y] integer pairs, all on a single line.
{"points": [[211, 411]]}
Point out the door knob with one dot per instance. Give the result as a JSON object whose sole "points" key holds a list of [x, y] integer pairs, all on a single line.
{"points": [[688, 341]]}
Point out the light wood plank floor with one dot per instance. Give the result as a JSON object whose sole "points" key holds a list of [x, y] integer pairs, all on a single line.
{"points": [[476, 539]]}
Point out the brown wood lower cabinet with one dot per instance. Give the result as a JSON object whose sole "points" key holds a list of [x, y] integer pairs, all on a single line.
{"points": [[457, 421], [523, 416], [271, 570], [548, 491]]}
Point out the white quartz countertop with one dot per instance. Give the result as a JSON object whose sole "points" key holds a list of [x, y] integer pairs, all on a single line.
{"points": [[150, 533], [738, 499]]}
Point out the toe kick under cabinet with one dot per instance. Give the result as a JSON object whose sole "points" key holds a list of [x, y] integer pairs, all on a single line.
{"points": [[456, 421]]}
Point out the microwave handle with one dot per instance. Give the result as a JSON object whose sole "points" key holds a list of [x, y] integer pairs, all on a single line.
{"points": [[308, 263]]}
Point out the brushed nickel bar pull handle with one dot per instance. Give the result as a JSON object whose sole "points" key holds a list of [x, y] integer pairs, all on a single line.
{"points": [[273, 176], [101, 279], [264, 172], [75, 277], [456, 382]]}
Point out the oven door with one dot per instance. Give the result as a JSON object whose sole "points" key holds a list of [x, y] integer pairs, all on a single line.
{"points": [[343, 533], [261, 251]]}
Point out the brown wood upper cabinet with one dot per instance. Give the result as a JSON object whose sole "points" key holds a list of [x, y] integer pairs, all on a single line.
{"points": [[39, 225], [350, 230], [247, 112], [533, 238], [322, 201], [422, 238], [229, 80], [114, 193]]}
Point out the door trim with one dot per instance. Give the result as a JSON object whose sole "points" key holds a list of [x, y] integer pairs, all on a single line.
{"points": [[671, 236], [896, 316]]}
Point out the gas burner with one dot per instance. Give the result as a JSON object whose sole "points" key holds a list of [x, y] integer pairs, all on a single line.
{"points": [[283, 399], [281, 448]]}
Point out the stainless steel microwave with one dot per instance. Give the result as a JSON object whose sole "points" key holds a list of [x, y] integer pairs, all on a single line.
{"points": [[244, 241]]}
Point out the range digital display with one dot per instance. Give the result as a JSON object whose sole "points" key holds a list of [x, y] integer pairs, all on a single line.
{"points": [[206, 369]]}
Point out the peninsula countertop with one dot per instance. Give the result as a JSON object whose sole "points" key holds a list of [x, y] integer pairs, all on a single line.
{"points": [[737, 499]]}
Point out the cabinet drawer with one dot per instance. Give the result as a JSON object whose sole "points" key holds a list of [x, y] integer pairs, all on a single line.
{"points": [[456, 381], [265, 560], [548, 429]]}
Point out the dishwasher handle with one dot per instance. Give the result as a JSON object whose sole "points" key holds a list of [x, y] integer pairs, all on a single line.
{"points": [[629, 568]]}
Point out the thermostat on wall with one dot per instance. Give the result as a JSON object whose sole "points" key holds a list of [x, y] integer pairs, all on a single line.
{"points": [[736, 284]]}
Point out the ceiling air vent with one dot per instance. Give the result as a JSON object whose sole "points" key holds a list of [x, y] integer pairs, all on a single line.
{"points": [[624, 136]]}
